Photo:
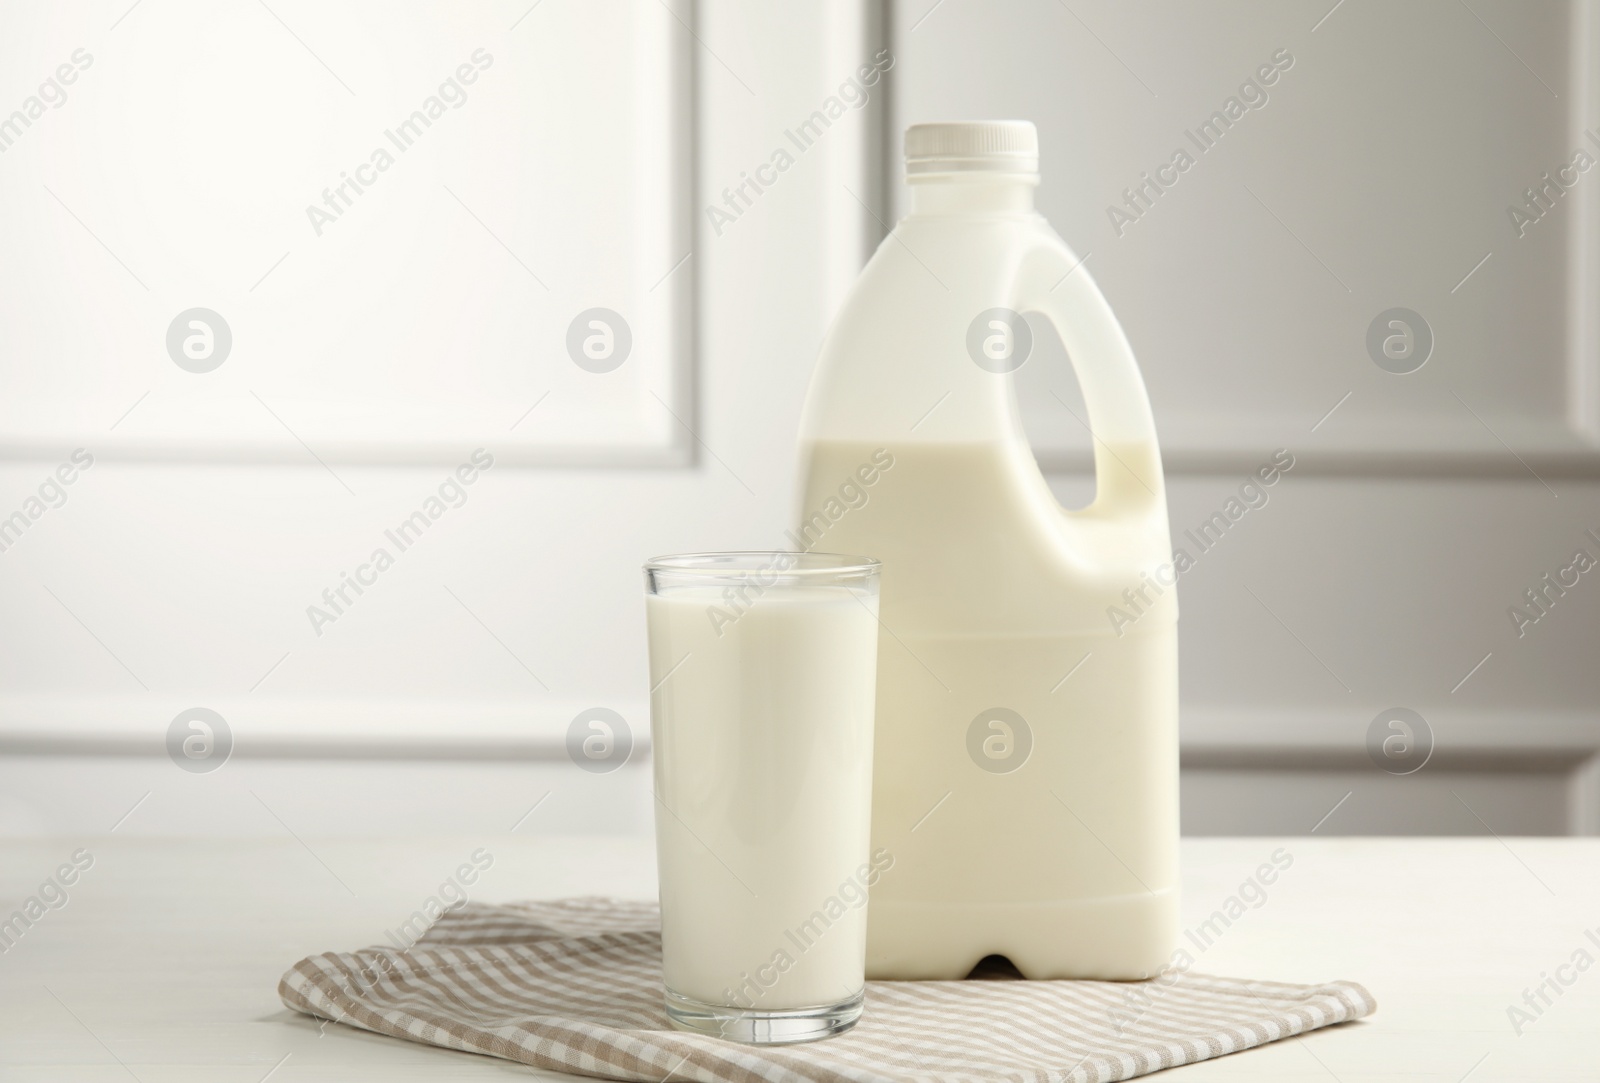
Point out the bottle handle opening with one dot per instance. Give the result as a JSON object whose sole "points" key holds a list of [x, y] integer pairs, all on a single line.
{"points": [[1127, 459]]}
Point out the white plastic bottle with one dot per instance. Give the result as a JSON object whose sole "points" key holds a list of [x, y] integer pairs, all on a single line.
{"points": [[1026, 761]]}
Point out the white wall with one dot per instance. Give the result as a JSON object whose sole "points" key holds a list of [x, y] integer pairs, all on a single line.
{"points": [[179, 571]]}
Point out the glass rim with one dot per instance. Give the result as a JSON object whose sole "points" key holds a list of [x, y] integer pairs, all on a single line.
{"points": [[786, 563]]}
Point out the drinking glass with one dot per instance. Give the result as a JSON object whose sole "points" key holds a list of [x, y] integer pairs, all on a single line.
{"points": [[763, 672]]}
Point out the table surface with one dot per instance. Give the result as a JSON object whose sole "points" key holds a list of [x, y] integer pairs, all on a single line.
{"points": [[163, 962]]}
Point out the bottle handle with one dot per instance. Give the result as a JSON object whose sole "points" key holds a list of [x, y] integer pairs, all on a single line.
{"points": [[1127, 459]]}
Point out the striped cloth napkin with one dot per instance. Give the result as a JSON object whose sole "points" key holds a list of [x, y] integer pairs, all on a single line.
{"points": [[575, 986]]}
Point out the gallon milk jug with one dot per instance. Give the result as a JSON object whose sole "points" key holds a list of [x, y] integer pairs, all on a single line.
{"points": [[1026, 766]]}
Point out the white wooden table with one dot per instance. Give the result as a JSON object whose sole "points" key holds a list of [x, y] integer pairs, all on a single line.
{"points": [[163, 963]]}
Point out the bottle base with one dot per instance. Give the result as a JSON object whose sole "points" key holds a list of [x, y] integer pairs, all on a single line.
{"points": [[1127, 937], [783, 1027]]}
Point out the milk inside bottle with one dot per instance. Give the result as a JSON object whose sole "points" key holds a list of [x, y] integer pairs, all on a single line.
{"points": [[1025, 768]]}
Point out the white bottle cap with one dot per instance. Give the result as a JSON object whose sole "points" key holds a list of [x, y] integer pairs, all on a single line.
{"points": [[985, 146]]}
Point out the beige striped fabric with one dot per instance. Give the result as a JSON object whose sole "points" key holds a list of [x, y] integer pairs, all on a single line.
{"points": [[575, 986]]}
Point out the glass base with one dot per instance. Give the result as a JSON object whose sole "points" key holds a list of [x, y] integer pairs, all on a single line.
{"points": [[763, 1027]]}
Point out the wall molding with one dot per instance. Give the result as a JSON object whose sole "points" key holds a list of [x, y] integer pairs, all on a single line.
{"points": [[1241, 731], [1470, 456], [647, 430], [312, 726], [308, 728], [679, 452]]}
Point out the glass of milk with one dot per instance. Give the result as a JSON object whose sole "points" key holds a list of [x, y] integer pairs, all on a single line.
{"points": [[763, 675]]}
